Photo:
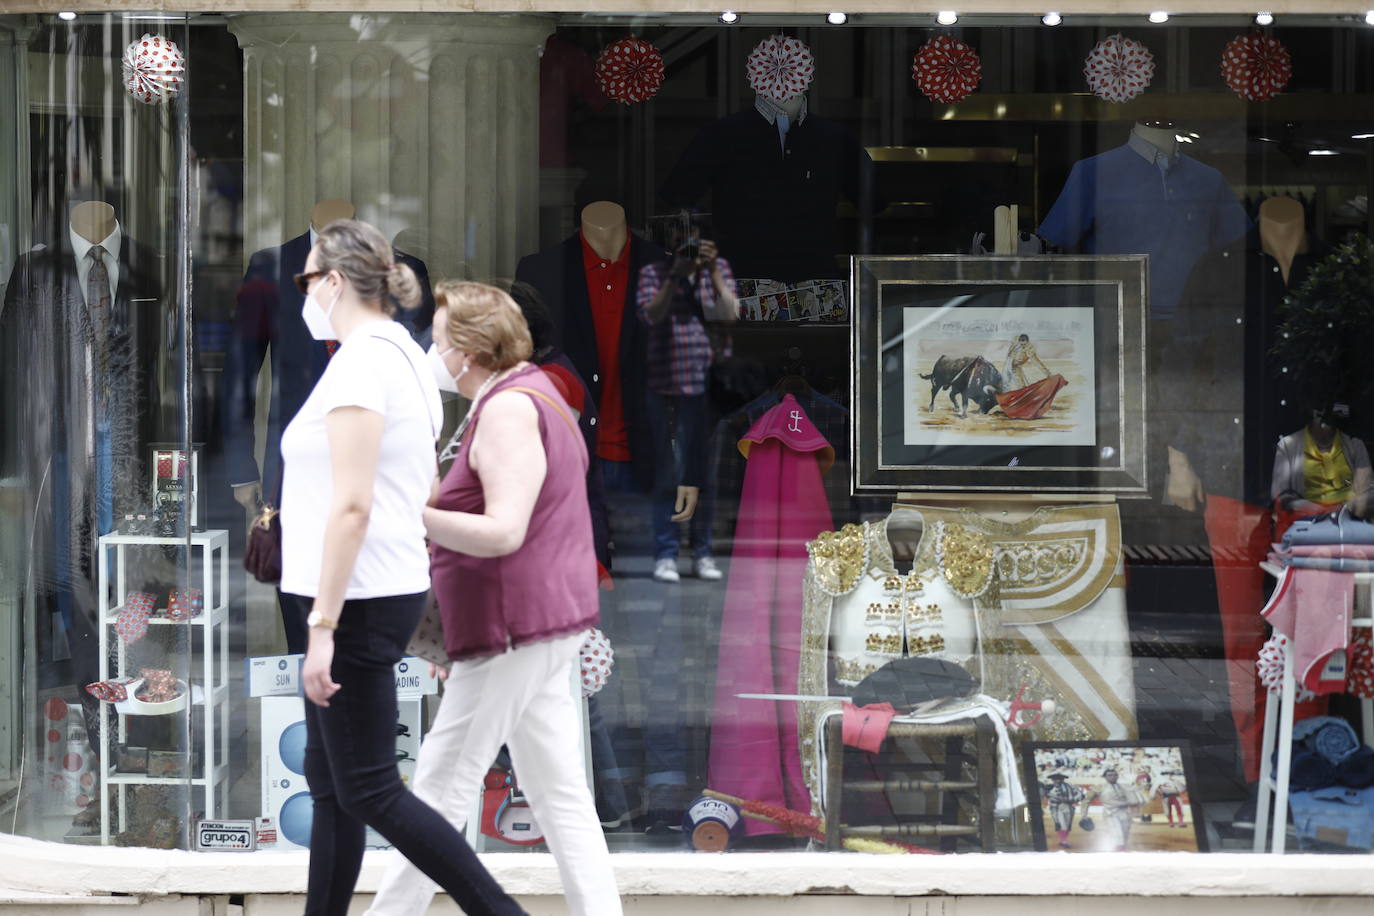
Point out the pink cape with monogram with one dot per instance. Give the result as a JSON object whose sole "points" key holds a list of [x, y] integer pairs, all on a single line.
{"points": [[755, 751]]}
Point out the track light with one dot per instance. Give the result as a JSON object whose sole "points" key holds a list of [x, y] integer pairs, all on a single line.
{"points": [[1369, 18], [947, 17], [729, 17], [1158, 17], [66, 15], [1264, 19], [837, 18], [1051, 18]]}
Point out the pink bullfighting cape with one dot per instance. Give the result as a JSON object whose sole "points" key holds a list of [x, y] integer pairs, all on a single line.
{"points": [[754, 745]]}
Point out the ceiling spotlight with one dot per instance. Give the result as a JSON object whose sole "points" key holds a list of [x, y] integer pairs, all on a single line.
{"points": [[1159, 16], [1322, 152], [1362, 136], [1264, 19], [1369, 18], [729, 16], [66, 15], [837, 18], [1051, 19], [949, 17]]}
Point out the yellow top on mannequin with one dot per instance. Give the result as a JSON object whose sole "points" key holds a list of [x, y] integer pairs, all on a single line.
{"points": [[326, 211], [93, 220], [604, 228], [1283, 231]]}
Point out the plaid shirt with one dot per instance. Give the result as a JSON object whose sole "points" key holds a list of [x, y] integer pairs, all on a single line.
{"points": [[679, 345]]}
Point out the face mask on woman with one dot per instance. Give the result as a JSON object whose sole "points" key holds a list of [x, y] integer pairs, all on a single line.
{"points": [[442, 377], [317, 317]]}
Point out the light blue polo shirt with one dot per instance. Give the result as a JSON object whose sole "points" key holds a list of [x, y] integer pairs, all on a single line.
{"points": [[1137, 200]]}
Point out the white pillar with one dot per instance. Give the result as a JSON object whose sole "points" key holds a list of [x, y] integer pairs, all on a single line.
{"points": [[427, 122]]}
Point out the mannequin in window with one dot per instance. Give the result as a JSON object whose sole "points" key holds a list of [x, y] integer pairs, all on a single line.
{"points": [[774, 175], [80, 337], [588, 283], [1147, 197], [1320, 468], [268, 314]]}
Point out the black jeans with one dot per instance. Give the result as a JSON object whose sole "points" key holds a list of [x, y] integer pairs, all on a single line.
{"points": [[350, 764]]}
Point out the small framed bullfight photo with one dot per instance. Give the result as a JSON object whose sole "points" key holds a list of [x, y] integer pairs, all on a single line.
{"points": [[1112, 796], [1000, 374]]}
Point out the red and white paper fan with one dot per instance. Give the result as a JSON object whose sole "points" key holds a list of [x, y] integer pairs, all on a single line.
{"points": [[1256, 67], [629, 70], [947, 69], [1269, 668], [1359, 677], [780, 67], [1119, 68], [597, 658], [153, 69]]}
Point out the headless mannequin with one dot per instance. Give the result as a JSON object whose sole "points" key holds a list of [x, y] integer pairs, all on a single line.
{"points": [[792, 106], [1162, 135], [93, 220], [326, 211], [249, 495], [605, 229], [1283, 231]]}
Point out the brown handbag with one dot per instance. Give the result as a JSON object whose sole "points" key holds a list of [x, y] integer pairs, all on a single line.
{"points": [[262, 558], [427, 642]]}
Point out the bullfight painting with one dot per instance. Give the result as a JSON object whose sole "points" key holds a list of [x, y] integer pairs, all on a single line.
{"points": [[999, 376]]}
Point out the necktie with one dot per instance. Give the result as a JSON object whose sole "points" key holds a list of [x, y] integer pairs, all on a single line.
{"points": [[98, 283], [784, 125]]}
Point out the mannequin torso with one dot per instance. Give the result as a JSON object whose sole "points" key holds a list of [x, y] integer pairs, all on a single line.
{"points": [[603, 226], [1283, 231]]}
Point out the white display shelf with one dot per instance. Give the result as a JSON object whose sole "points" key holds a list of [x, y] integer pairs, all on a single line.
{"points": [[1278, 727], [209, 571]]}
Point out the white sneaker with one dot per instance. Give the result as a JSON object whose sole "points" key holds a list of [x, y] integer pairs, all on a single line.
{"points": [[706, 568], [665, 570]]}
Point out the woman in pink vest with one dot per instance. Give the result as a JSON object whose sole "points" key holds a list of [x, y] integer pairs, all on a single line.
{"points": [[514, 573]]}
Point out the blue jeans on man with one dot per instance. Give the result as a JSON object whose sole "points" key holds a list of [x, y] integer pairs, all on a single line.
{"points": [[679, 429]]}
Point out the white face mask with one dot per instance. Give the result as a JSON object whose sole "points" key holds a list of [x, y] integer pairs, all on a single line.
{"points": [[317, 318], [442, 377]]}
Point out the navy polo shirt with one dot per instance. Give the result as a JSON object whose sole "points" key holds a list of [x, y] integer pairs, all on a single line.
{"points": [[1136, 200]]}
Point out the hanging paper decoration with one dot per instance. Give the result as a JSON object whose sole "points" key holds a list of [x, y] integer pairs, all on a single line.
{"points": [[598, 658], [1119, 68], [1256, 67], [1359, 676], [629, 70], [781, 67], [1269, 668], [153, 68], [946, 69]]}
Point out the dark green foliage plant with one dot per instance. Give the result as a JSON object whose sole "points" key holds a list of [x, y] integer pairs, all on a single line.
{"points": [[1326, 330]]}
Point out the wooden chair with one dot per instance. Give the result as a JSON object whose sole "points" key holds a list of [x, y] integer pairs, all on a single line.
{"points": [[964, 784]]}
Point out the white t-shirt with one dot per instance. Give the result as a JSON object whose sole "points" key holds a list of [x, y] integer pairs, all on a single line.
{"points": [[381, 369]]}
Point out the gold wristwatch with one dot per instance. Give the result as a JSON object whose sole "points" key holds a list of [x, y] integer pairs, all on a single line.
{"points": [[316, 619]]}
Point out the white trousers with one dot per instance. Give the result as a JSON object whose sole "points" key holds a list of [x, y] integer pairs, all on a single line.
{"points": [[523, 699]]}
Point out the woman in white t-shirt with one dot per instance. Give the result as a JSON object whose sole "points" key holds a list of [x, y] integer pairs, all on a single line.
{"points": [[359, 465]]}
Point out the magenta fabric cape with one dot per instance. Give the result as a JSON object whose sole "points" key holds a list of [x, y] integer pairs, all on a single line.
{"points": [[755, 752]]}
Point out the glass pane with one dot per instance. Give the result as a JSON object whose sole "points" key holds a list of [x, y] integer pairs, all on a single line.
{"points": [[104, 741]]}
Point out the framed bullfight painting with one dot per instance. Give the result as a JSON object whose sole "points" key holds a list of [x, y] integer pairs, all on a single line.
{"points": [[1023, 374]]}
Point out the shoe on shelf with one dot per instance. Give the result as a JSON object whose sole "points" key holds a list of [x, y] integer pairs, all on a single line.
{"points": [[665, 570], [706, 568]]}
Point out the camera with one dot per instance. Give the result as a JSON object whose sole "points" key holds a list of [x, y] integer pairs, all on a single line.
{"points": [[691, 250]]}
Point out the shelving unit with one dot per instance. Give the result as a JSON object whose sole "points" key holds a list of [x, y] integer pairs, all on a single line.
{"points": [[209, 554], [1278, 717]]}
